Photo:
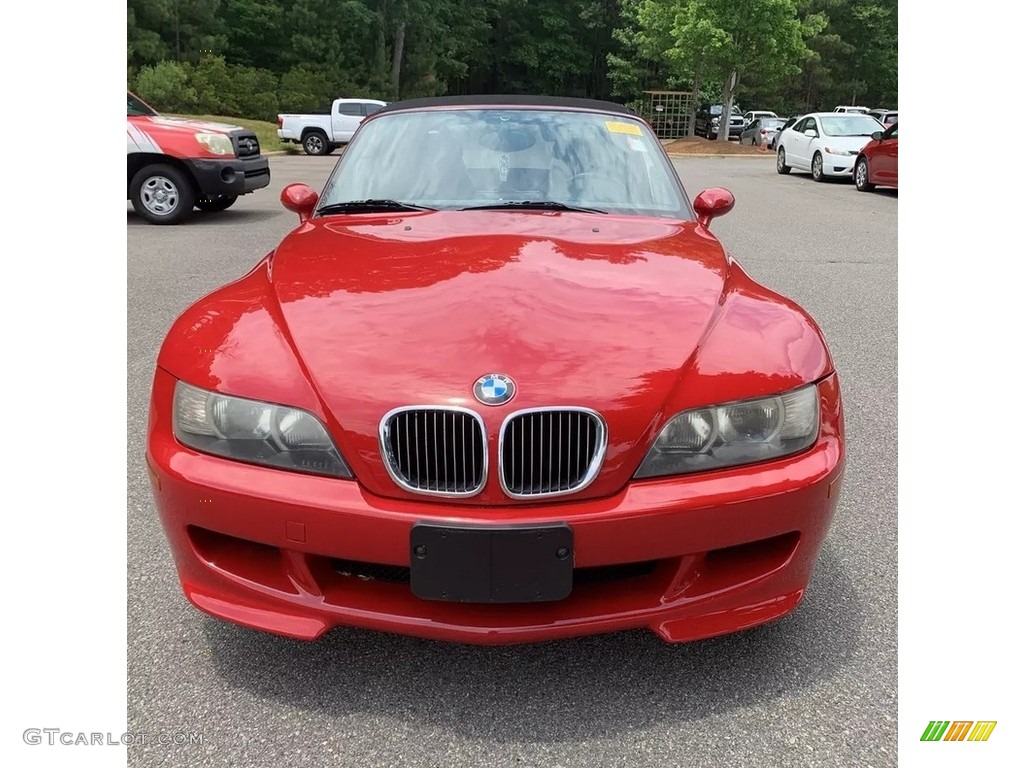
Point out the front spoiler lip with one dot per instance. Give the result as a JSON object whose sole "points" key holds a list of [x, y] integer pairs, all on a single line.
{"points": [[297, 626]]}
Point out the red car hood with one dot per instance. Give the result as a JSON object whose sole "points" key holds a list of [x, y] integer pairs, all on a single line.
{"points": [[389, 312], [636, 318], [579, 310], [181, 125]]}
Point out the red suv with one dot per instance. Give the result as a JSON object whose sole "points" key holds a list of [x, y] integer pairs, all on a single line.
{"points": [[878, 162], [176, 165]]}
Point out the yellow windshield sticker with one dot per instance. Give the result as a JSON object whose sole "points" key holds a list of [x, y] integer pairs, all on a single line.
{"points": [[630, 128]]}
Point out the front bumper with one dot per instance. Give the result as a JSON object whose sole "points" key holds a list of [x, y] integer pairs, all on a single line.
{"points": [[735, 131], [688, 558], [229, 176], [838, 165]]}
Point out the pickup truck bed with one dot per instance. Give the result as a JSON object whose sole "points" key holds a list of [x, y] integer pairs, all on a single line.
{"points": [[322, 134]]}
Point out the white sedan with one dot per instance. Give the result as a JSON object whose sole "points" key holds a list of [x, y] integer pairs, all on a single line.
{"points": [[824, 143]]}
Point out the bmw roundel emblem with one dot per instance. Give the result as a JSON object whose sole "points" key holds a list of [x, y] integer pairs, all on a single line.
{"points": [[494, 389]]}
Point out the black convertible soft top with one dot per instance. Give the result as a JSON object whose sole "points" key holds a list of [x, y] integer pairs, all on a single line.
{"points": [[493, 100]]}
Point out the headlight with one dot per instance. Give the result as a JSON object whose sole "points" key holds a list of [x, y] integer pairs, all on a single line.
{"points": [[735, 433], [255, 432], [715, 120], [843, 152], [217, 143]]}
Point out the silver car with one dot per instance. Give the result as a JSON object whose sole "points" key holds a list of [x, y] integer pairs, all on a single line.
{"points": [[762, 131]]}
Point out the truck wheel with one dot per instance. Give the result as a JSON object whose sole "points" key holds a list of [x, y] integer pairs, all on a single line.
{"points": [[162, 194], [315, 143], [214, 204]]}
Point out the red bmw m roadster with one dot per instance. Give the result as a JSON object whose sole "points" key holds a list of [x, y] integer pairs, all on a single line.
{"points": [[500, 384]]}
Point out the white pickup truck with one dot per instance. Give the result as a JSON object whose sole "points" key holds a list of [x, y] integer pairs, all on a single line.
{"points": [[322, 134]]}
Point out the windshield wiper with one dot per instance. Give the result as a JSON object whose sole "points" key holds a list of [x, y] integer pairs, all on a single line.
{"points": [[549, 205], [371, 205]]}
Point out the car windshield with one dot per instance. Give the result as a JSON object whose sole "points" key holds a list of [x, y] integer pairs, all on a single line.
{"points": [[849, 125], [474, 157], [772, 123], [138, 107]]}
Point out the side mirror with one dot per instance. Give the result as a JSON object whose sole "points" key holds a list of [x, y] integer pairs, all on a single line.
{"points": [[712, 203], [300, 199], [877, 135], [810, 133]]}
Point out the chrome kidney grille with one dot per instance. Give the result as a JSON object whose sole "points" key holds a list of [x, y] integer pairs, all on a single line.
{"points": [[550, 452], [440, 451]]}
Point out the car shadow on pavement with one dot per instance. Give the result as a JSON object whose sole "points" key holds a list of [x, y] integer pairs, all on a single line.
{"points": [[560, 691], [220, 218]]}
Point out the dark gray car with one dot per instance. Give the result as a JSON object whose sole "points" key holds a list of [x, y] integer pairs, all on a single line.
{"points": [[709, 118], [762, 131], [774, 143], [885, 116]]}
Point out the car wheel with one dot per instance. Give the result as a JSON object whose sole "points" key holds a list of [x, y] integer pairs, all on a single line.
{"points": [[214, 204], [817, 167], [315, 143], [780, 161], [162, 194], [860, 175]]}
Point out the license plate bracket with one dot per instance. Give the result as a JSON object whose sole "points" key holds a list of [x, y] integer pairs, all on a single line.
{"points": [[491, 564]]}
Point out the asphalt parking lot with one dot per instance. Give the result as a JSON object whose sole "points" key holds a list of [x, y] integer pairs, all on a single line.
{"points": [[815, 689]]}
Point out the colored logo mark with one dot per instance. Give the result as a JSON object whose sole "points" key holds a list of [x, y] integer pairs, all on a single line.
{"points": [[494, 389], [958, 730]]}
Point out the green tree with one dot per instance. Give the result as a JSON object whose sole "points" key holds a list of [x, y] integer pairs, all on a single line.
{"points": [[145, 45], [254, 32], [335, 38], [867, 74], [640, 60], [826, 51], [853, 56], [167, 87], [727, 40], [183, 30], [779, 54], [305, 90], [450, 46]]}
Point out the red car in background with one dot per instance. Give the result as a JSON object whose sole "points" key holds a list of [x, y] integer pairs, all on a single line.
{"points": [[878, 163], [500, 385]]}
